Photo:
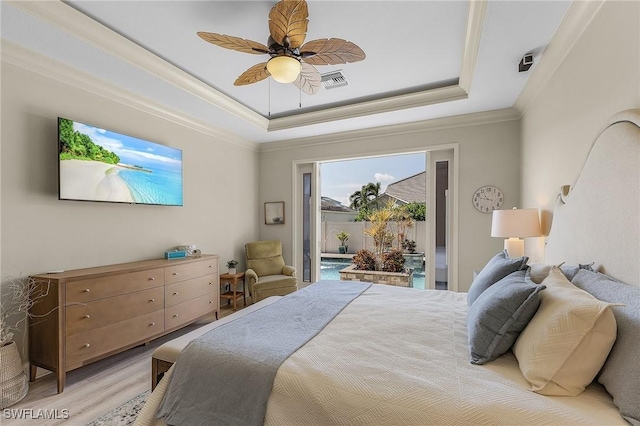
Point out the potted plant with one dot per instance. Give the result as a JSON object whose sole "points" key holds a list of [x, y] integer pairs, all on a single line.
{"points": [[343, 237], [231, 264], [409, 245]]}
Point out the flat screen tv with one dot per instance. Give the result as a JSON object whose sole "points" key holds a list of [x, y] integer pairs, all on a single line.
{"points": [[100, 165]]}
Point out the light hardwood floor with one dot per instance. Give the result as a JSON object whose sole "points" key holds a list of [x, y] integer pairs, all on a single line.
{"points": [[97, 388]]}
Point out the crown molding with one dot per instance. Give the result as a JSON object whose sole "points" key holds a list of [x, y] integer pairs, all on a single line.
{"points": [[85, 28], [22, 57], [417, 99], [575, 22], [457, 121], [475, 23]]}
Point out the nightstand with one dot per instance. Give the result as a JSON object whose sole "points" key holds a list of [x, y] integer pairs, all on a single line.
{"points": [[233, 280]]}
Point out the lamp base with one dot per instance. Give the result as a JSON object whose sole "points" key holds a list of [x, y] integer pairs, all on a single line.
{"points": [[514, 247]]}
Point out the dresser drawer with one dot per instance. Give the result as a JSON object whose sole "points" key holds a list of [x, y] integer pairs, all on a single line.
{"points": [[114, 285], [186, 271], [185, 312], [93, 343], [190, 289], [99, 313]]}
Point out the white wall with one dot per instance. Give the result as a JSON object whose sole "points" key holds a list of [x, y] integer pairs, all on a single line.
{"points": [[599, 77], [489, 155], [41, 233]]}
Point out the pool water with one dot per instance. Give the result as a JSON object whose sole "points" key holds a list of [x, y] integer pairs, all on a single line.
{"points": [[330, 270]]}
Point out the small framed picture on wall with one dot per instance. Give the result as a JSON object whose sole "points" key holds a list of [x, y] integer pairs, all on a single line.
{"points": [[274, 213]]}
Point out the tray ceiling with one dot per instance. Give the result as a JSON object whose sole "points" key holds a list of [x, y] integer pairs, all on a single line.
{"points": [[425, 59]]}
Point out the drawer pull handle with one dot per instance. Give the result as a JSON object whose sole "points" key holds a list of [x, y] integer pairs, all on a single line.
{"points": [[152, 324], [152, 279], [176, 315], [210, 266], [87, 316], [210, 301], [152, 300], [175, 273], [87, 290], [175, 293], [86, 345], [210, 283]]}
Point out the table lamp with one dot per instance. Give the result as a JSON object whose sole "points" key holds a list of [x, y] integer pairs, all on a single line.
{"points": [[514, 225]]}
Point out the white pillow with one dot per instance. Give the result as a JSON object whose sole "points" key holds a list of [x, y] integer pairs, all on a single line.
{"points": [[567, 341]]}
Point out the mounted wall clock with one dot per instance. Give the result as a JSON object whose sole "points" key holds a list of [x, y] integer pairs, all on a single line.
{"points": [[487, 199]]}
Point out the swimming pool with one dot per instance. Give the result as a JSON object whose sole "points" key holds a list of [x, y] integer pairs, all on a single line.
{"points": [[330, 270]]}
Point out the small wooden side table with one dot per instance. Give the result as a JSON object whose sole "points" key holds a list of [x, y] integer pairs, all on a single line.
{"points": [[233, 294]]}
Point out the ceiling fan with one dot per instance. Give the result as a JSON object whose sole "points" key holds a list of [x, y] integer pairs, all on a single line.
{"points": [[291, 61]]}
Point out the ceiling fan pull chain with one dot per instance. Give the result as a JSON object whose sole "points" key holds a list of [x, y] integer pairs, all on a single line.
{"points": [[300, 91]]}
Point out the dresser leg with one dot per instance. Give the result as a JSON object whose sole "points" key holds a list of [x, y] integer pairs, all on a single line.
{"points": [[61, 379], [33, 370]]}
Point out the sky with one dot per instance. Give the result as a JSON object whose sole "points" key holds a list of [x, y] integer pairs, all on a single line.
{"points": [[133, 150], [340, 179]]}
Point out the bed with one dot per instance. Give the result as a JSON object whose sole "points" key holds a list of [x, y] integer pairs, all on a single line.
{"points": [[402, 356]]}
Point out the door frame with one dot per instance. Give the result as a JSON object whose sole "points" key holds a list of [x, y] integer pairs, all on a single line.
{"points": [[304, 166], [449, 156]]}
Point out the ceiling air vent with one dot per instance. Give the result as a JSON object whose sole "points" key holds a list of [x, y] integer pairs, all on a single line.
{"points": [[333, 79]]}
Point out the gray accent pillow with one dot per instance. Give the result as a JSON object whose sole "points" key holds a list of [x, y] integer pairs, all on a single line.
{"points": [[499, 315], [496, 269], [539, 271], [621, 371]]}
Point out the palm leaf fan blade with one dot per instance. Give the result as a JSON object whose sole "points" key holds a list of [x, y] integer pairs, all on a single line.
{"points": [[234, 43], [289, 18], [331, 51], [309, 80], [253, 75]]}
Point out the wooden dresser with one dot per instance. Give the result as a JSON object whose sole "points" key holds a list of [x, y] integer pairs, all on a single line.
{"points": [[89, 314]]}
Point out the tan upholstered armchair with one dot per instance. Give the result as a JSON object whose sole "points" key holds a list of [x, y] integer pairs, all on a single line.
{"points": [[266, 273]]}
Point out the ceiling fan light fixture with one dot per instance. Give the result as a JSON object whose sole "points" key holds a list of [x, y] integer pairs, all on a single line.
{"points": [[284, 69]]}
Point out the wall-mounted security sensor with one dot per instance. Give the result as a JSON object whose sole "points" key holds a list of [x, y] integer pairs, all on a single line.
{"points": [[525, 62]]}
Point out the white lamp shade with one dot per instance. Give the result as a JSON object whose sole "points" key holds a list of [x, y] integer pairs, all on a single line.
{"points": [[284, 69], [520, 223]]}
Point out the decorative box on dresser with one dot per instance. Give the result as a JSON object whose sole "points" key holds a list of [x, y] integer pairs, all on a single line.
{"points": [[89, 314]]}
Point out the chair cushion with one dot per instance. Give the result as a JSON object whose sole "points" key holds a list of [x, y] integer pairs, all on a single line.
{"points": [[267, 266], [265, 257], [275, 281]]}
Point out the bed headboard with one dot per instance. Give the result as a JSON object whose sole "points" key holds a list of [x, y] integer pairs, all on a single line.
{"points": [[599, 220]]}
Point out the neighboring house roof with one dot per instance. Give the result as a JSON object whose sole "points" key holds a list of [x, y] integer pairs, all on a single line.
{"points": [[329, 204], [409, 190]]}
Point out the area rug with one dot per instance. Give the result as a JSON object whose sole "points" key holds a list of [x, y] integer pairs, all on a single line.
{"points": [[123, 415]]}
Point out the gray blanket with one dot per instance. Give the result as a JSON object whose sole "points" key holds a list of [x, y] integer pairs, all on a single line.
{"points": [[225, 376]]}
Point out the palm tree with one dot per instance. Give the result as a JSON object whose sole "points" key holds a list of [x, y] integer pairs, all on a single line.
{"points": [[366, 197], [372, 194], [357, 200]]}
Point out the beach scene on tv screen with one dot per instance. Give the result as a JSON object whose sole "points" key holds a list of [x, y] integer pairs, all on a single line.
{"points": [[101, 165]]}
